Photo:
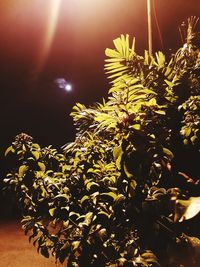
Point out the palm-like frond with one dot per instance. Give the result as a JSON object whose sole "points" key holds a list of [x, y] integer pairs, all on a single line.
{"points": [[118, 64]]}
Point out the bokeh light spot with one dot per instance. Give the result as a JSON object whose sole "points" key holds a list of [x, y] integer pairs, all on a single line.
{"points": [[63, 84], [68, 87]]}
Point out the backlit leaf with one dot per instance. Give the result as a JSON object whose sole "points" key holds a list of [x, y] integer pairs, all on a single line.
{"points": [[9, 149], [52, 211], [117, 152], [187, 209], [111, 195], [160, 59], [168, 152], [170, 84], [36, 154], [84, 198], [42, 166], [75, 245], [118, 44], [112, 53], [22, 170]]}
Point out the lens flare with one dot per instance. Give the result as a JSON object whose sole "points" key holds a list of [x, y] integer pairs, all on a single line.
{"points": [[63, 84], [52, 19], [68, 87]]}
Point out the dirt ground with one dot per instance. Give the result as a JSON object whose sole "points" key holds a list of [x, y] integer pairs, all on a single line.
{"points": [[16, 251]]}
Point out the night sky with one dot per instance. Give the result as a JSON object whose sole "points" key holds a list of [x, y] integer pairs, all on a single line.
{"points": [[30, 100]]}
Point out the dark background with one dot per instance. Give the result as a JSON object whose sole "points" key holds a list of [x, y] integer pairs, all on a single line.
{"points": [[30, 101]]}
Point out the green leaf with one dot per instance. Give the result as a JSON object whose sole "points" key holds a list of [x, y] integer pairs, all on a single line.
{"points": [[36, 154], [36, 146], [161, 112], [148, 91], [187, 209], [193, 138], [118, 44], [160, 59], [9, 149], [117, 152], [90, 170], [115, 65], [75, 245], [103, 214], [121, 79], [112, 53], [128, 174], [42, 166], [91, 186], [168, 152], [65, 196], [185, 141], [152, 102], [136, 126], [117, 69], [118, 74], [170, 84], [187, 131], [22, 170], [133, 47], [110, 195], [168, 71], [146, 57], [113, 60], [83, 199], [52, 211]]}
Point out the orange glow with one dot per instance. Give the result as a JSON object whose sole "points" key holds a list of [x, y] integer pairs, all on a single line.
{"points": [[52, 19]]}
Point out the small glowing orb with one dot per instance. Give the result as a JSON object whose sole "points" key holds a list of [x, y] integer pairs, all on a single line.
{"points": [[68, 87], [63, 84]]}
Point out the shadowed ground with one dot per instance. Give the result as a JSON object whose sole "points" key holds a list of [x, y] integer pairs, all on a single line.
{"points": [[16, 251]]}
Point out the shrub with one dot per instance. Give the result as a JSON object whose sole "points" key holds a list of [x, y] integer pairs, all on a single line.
{"points": [[120, 194]]}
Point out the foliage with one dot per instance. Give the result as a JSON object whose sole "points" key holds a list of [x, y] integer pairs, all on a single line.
{"points": [[117, 195]]}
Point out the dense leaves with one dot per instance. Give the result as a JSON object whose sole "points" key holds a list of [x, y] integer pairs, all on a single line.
{"points": [[118, 195]]}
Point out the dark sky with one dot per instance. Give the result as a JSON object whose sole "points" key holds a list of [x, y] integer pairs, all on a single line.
{"points": [[30, 100]]}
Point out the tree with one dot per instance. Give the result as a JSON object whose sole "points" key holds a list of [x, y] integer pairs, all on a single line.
{"points": [[120, 194]]}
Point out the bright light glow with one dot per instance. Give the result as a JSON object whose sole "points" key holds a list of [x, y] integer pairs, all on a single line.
{"points": [[63, 84], [54, 8], [68, 87]]}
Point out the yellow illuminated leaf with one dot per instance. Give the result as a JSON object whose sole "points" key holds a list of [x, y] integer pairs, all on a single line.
{"points": [[36, 154], [9, 149], [52, 211], [22, 170], [42, 166], [112, 53]]}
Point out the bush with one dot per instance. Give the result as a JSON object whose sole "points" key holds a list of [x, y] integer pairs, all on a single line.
{"points": [[121, 194]]}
